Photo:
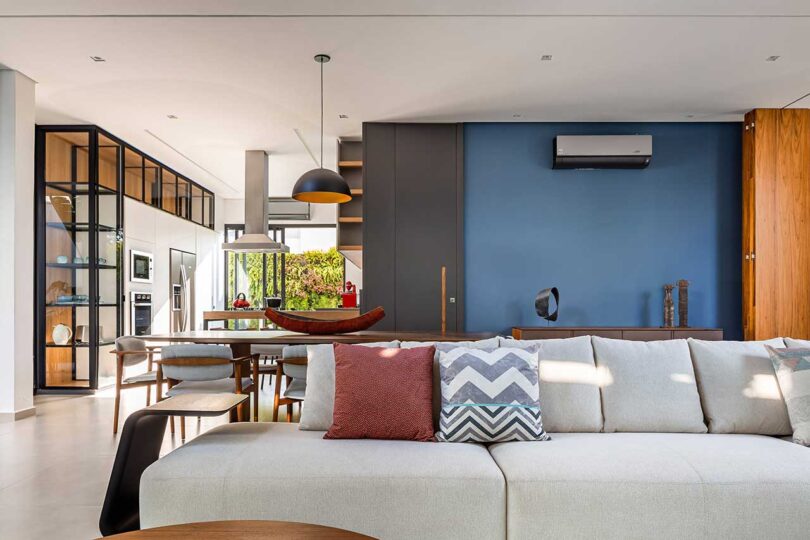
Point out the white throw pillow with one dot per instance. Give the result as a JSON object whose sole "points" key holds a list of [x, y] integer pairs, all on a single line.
{"points": [[569, 383], [648, 386], [319, 396], [738, 387], [793, 372]]}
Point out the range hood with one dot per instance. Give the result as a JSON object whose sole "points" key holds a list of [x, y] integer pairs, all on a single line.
{"points": [[255, 239]]}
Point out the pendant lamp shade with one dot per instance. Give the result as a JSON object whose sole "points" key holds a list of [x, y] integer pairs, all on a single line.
{"points": [[321, 185]]}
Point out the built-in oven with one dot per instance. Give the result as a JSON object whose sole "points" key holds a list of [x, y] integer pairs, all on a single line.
{"points": [[141, 266], [141, 307]]}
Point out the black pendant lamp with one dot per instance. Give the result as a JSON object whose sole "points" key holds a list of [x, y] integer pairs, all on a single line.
{"points": [[321, 185]]}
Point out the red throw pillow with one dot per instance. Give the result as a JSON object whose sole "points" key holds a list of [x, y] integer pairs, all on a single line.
{"points": [[383, 393]]}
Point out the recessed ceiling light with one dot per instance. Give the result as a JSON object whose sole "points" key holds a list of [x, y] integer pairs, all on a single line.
{"points": [[344, 116], [690, 115], [772, 58], [171, 117], [97, 59], [546, 58], [515, 116]]}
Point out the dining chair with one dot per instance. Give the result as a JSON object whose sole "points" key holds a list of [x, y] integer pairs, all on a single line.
{"points": [[131, 351], [207, 369], [268, 356], [293, 367]]}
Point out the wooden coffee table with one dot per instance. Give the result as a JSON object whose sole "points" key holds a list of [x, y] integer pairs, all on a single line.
{"points": [[243, 530]]}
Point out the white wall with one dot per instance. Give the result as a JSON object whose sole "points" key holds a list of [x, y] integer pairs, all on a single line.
{"points": [[154, 231], [17, 262]]}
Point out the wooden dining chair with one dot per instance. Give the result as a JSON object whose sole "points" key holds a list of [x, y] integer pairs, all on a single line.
{"points": [[131, 351], [208, 369], [292, 367]]}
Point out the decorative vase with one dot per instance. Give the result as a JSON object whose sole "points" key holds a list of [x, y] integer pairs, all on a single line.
{"points": [[683, 303], [669, 306], [61, 334]]}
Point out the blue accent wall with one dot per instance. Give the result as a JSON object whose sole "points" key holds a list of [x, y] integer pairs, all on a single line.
{"points": [[609, 239]]}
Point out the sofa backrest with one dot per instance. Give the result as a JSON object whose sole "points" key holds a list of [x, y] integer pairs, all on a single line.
{"points": [[569, 383]]}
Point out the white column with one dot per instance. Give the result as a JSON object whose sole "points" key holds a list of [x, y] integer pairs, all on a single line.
{"points": [[17, 256]]}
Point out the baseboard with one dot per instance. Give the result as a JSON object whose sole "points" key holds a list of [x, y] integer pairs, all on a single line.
{"points": [[18, 415]]}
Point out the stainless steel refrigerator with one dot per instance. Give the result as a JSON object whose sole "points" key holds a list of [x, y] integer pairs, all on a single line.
{"points": [[182, 266]]}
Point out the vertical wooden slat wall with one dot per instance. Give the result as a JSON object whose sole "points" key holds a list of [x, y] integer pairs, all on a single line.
{"points": [[776, 224]]}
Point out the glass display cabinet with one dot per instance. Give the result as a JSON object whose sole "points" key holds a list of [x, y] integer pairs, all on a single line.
{"points": [[79, 257]]}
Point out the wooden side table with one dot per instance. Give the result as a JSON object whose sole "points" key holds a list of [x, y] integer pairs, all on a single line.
{"points": [[244, 530], [139, 447]]}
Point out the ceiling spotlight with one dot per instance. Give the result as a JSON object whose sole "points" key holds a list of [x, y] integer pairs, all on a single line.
{"points": [[772, 58], [690, 115], [344, 116], [546, 58], [515, 116], [97, 59], [171, 117]]}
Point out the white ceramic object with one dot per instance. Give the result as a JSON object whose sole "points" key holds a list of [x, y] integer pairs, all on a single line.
{"points": [[61, 334]]}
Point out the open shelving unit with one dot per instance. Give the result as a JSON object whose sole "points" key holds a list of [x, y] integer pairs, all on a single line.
{"points": [[350, 214]]}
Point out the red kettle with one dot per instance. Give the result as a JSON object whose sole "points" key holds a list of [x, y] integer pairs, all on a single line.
{"points": [[241, 302]]}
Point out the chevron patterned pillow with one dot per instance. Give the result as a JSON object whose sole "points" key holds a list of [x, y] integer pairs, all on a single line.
{"points": [[490, 396]]}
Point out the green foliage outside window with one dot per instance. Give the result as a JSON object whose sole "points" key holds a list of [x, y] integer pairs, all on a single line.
{"points": [[314, 278]]}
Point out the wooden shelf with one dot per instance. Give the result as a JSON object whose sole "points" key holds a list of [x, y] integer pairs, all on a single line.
{"points": [[350, 164], [350, 219], [357, 192], [350, 248]]}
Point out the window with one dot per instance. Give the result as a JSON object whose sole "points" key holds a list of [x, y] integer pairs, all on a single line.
{"points": [[311, 276]]}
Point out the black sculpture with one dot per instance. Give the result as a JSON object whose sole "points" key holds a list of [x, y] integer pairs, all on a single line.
{"points": [[541, 303]]}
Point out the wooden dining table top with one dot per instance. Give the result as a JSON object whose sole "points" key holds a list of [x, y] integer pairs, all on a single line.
{"points": [[284, 337]]}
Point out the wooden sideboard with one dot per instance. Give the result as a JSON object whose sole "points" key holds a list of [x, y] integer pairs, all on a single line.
{"points": [[632, 333]]}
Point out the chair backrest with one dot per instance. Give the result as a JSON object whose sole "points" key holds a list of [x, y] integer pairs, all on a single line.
{"points": [[196, 362], [131, 343], [297, 365]]}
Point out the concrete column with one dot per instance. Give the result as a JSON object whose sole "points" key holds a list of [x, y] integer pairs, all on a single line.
{"points": [[17, 241]]}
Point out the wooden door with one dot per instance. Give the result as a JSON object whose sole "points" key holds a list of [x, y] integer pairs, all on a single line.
{"points": [[748, 228]]}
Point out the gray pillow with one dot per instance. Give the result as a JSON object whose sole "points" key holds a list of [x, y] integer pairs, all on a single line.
{"points": [[569, 383], [648, 386], [319, 397], [738, 387]]}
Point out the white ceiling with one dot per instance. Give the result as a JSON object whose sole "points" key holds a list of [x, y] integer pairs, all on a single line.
{"points": [[242, 76]]}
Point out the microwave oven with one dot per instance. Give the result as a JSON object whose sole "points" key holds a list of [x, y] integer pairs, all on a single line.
{"points": [[141, 267]]}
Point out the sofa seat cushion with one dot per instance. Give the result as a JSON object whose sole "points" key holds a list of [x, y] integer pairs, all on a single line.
{"points": [[655, 485], [385, 489]]}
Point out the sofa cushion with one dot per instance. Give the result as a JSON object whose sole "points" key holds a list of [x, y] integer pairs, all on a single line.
{"points": [[443, 346], [319, 398], [648, 386], [738, 387], [569, 384], [490, 396], [793, 373], [655, 485], [385, 489], [791, 343], [382, 393]]}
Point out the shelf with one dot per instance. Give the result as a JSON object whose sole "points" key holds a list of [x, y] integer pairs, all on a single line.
{"points": [[82, 266], [79, 304], [350, 219], [350, 164], [350, 248], [357, 192], [78, 345], [79, 227]]}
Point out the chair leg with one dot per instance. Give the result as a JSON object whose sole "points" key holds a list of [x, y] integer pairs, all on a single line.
{"points": [[289, 412], [183, 428], [171, 424], [276, 395], [148, 394], [115, 413]]}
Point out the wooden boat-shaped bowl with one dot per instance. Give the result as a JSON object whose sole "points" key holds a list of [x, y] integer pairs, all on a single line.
{"points": [[306, 325]]}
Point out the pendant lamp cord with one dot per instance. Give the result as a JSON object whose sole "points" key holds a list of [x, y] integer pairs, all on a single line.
{"points": [[321, 115]]}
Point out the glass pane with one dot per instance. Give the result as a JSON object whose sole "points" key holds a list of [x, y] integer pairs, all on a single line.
{"points": [[313, 268], [66, 157], [169, 198], [208, 210], [133, 174], [196, 204], [183, 197], [151, 177], [109, 154]]}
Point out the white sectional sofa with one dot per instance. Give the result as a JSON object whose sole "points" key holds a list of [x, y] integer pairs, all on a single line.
{"points": [[660, 440]]}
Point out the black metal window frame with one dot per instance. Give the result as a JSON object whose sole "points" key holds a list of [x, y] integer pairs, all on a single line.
{"points": [[278, 233]]}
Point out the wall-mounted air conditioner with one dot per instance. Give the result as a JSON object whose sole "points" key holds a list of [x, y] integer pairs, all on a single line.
{"points": [[602, 151], [281, 208]]}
